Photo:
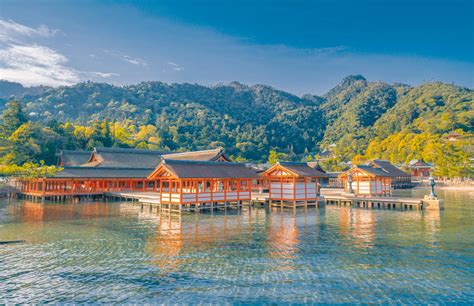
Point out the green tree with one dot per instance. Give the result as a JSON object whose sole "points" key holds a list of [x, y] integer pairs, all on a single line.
{"points": [[12, 118], [274, 157]]}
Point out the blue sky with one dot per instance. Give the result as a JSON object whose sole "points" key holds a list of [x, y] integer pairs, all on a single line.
{"points": [[298, 46]]}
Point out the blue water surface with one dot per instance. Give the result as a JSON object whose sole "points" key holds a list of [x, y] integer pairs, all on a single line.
{"points": [[122, 253]]}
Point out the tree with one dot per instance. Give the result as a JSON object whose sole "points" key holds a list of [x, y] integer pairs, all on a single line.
{"points": [[29, 170], [274, 157], [12, 118]]}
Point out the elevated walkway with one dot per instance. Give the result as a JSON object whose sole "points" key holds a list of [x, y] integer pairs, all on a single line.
{"points": [[328, 196]]}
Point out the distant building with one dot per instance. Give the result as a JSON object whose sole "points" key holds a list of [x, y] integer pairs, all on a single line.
{"points": [[71, 158], [419, 168], [330, 180], [333, 180], [453, 136], [399, 178], [130, 158], [366, 180], [293, 184], [109, 169], [191, 183]]}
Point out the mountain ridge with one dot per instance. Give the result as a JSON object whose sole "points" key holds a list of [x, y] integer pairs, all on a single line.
{"points": [[252, 119]]}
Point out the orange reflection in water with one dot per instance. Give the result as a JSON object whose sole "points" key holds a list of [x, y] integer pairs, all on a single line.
{"points": [[283, 240], [360, 224], [175, 238], [33, 212], [432, 223], [167, 244]]}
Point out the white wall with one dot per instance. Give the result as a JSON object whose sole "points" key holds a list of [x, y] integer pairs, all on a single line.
{"points": [[207, 197], [290, 193]]}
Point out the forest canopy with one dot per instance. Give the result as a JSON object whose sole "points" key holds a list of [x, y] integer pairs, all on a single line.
{"points": [[356, 119]]}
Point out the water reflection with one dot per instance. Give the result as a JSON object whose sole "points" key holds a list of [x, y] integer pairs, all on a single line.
{"points": [[35, 212], [431, 222], [358, 224], [283, 239], [176, 238], [118, 252], [167, 244]]}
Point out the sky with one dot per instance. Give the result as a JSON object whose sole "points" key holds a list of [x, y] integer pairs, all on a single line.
{"points": [[297, 46]]}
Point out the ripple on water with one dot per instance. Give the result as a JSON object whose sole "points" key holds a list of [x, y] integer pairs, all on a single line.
{"points": [[118, 253]]}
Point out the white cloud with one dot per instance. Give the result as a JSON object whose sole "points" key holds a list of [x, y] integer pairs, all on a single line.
{"points": [[127, 58], [175, 66], [104, 74], [11, 31], [29, 63], [34, 65]]}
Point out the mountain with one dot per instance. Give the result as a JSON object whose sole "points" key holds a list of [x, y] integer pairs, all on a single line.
{"points": [[249, 120], [11, 89]]}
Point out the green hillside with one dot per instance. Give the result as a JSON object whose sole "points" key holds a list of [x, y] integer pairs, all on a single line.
{"points": [[248, 121]]}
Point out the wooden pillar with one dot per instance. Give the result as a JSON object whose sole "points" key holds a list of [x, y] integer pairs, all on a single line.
{"points": [[316, 185], [281, 191], [161, 191], [170, 189], [306, 189], [270, 191], [358, 185], [180, 192], [226, 187], [294, 191], [212, 190], [238, 189]]}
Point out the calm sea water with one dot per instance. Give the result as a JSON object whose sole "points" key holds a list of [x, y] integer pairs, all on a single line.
{"points": [[117, 252]]}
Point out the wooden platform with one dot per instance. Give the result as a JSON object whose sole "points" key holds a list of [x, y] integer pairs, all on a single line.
{"points": [[152, 199], [330, 198], [375, 202]]}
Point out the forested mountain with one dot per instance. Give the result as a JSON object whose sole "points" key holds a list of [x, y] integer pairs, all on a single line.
{"points": [[12, 89], [248, 121]]}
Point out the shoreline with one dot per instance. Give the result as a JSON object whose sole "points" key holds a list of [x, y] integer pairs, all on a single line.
{"points": [[457, 188]]}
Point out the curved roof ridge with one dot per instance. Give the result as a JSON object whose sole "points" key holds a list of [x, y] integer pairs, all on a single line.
{"points": [[129, 150], [193, 152], [75, 151], [205, 162], [104, 169]]}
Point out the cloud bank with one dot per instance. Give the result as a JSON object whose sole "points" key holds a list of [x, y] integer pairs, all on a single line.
{"points": [[29, 63]]}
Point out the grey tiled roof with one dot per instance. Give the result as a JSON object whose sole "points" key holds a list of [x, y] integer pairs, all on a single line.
{"points": [[137, 158], [302, 169], [420, 163], [94, 172], [373, 170], [73, 157], [316, 165], [388, 167], [205, 155], [208, 169], [126, 158]]}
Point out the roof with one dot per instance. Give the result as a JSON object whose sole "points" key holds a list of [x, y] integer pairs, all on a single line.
{"points": [[453, 134], [301, 169], [316, 165], [138, 158], [94, 172], [124, 158], [371, 170], [205, 169], [73, 157], [205, 155], [388, 168], [418, 163], [333, 174]]}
